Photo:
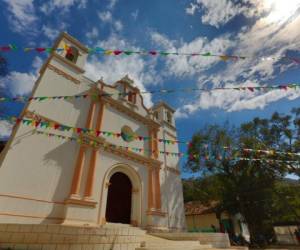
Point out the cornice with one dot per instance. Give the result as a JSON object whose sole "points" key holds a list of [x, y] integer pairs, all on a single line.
{"points": [[63, 74], [111, 148], [114, 86], [157, 213], [119, 106], [69, 63]]}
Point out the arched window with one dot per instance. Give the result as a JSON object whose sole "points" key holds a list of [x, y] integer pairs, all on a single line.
{"points": [[72, 54], [132, 97]]}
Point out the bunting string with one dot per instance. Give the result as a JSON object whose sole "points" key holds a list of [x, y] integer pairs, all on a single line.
{"points": [[56, 126], [118, 52], [172, 154], [284, 87]]}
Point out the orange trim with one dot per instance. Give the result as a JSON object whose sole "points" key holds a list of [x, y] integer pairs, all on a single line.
{"points": [[89, 120], [150, 189], [31, 199], [155, 144], [156, 212], [32, 216], [119, 152], [91, 174], [41, 217], [78, 172], [157, 189], [90, 178], [81, 202]]}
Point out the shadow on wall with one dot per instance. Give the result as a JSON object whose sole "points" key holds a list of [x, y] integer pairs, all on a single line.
{"points": [[175, 201], [64, 156]]}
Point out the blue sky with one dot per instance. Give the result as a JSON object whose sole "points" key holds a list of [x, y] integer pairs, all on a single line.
{"points": [[256, 28]]}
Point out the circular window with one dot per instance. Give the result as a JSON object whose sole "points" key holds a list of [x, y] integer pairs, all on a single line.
{"points": [[127, 134]]}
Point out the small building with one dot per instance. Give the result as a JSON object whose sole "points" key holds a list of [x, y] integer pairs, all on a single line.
{"points": [[207, 218], [285, 232]]}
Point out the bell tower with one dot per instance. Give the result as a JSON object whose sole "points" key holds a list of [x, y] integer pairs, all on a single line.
{"points": [[70, 52]]}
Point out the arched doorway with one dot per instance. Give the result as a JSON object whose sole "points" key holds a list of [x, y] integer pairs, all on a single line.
{"points": [[118, 207]]}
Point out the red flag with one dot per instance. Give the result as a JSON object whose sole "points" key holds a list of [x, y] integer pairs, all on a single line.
{"points": [[118, 52], [153, 53], [40, 49]]}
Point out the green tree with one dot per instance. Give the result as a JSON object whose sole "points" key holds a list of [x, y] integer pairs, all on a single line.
{"points": [[247, 186]]}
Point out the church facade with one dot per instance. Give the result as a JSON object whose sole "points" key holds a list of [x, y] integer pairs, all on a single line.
{"points": [[46, 180]]}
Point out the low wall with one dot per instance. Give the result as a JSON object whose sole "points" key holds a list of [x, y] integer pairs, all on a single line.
{"points": [[42, 237], [219, 240]]}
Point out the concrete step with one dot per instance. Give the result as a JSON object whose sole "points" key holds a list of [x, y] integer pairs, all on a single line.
{"points": [[173, 248], [151, 242], [123, 229]]}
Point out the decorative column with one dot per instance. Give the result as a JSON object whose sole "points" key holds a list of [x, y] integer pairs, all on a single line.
{"points": [[157, 189], [76, 182], [151, 201], [91, 173], [75, 189], [153, 146]]}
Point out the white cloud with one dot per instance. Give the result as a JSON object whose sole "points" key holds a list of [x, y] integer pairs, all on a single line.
{"points": [[113, 68], [216, 12], [271, 35], [219, 12], [105, 16], [112, 4], [22, 15], [93, 33], [5, 128], [17, 83], [191, 9], [135, 14], [182, 66], [63, 5], [50, 32], [37, 64], [118, 25]]}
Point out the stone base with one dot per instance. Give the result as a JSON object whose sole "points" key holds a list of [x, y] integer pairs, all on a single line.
{"points": [[44, 237]]}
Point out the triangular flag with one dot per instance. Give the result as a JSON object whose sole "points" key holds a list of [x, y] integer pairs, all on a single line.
{"points": [[40, 49], [128, 52], [118, 52], [224, 58], [108, 52]]}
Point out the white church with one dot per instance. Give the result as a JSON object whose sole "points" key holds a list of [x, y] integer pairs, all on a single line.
{"points": [[59, 192]]}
